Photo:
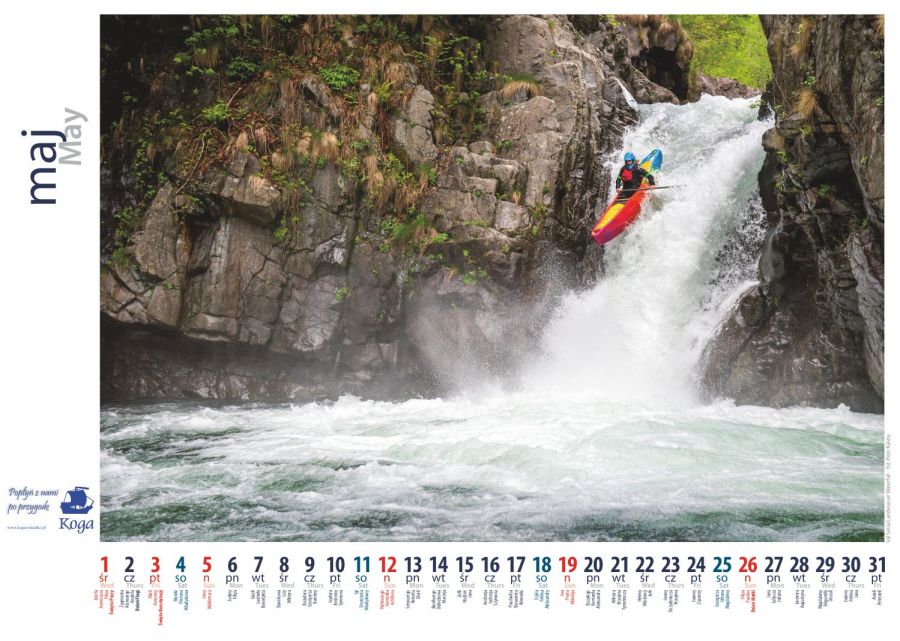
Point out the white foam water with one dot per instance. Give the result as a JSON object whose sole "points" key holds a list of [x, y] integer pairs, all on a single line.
{"points": [[606, 439], [638, 334]]}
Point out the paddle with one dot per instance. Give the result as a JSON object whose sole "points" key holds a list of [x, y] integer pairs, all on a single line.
{"points": [[631, 191]]}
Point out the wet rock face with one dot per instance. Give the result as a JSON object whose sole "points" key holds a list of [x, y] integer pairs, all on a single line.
{"points": [[413, 131], [727, 87], [867, 264], [143, 362], [657, 55], [520, 204], [816, 334], [241, 192], [209, 302]]}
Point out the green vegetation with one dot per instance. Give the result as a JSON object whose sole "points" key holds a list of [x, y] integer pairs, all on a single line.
{"points": [[121, 258], [241, 69], [216, 114], [470, 278], [339, 77], [414, 232], [539, 210], [728, 46], [287, 232], [127, 222], [239, 85]]}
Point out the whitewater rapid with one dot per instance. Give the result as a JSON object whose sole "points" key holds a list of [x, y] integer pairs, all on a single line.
{"points": [[604, 439], [639, 333]]}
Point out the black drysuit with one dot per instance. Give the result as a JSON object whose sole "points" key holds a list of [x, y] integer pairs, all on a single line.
{"points": [[630, 179]]}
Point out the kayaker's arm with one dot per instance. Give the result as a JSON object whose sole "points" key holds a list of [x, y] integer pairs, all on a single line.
{"points": [[643, 173]]}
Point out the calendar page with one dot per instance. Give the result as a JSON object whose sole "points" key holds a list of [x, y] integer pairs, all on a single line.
{"points": [[390, 319]]}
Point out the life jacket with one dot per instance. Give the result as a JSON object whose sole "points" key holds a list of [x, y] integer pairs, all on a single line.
{"points": [[626, 174]]}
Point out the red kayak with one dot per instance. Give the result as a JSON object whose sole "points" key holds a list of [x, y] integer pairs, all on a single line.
{"points": [[624, 208]]}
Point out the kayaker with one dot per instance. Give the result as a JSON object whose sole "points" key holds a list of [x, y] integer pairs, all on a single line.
{"points": [[631, 175]]}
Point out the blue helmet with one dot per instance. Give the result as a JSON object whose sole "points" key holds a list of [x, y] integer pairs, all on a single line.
{"points": [[629, 156]]}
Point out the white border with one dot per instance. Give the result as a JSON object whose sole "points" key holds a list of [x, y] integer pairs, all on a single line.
{"points": [[49, 376]]}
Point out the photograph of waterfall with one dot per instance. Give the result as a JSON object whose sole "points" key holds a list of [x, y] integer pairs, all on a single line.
{"points": [[492, 278]]}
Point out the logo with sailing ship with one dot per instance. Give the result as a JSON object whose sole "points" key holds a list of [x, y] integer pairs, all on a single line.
{"points": [[77, 501]]}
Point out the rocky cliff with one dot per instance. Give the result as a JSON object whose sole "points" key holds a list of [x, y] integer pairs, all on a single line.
{"points": [[812, 331], [303, 206]]}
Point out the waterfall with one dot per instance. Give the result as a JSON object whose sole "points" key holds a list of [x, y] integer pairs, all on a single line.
{"points": [[639, 332], [605, 440]]}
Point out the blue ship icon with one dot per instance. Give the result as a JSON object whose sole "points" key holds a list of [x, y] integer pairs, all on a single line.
{"points": [[78, 502]]}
